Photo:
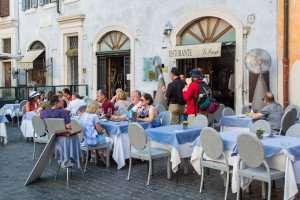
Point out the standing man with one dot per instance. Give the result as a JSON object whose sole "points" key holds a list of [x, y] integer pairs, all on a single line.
{"points": [[175, 97]]}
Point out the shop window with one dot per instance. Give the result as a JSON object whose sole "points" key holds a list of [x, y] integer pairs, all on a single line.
{"points": [[4, 8], [28, 4]]}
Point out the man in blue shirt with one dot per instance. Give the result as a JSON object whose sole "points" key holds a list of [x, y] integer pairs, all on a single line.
{"points": [[56, 110]]}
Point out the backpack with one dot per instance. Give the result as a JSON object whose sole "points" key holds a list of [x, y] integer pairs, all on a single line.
{"points": [[204, 98]]}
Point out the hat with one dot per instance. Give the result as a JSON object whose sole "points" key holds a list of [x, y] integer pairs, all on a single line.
{"points": [[33, 94], [195, 73]]}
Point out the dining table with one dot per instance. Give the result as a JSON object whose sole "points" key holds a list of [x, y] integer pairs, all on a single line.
{"points": [[118, 131], [176, 139], [281, 153], [240, 122]]}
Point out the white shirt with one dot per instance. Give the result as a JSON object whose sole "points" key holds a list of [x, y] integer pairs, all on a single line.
{"points": [[74, 105]]}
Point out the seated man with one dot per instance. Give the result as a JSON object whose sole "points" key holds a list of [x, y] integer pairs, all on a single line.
{"points": [[106, 105], [75, 104], [271, 112], [56, 110]]}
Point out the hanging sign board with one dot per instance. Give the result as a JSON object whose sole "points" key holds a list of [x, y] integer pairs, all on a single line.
{"points": [[196, 51]]}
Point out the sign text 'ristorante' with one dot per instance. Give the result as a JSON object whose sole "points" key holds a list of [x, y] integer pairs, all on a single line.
{"points": [[196, 51]]}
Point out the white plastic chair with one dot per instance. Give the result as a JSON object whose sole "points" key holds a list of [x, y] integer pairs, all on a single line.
{"points": [[39, 130], [165, 118], [289, 118], [252, 163], [213, 148], [293, 131], [86, 149], [140, 149], [292, 106], [261, 125], [228, 111], [199, 120]]}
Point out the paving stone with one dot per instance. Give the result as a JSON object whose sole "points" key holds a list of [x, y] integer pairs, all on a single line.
{"points": [[101, 183]]}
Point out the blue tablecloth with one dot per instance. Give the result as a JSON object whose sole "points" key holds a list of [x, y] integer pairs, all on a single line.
{"points": [[67, 151], [272, 145], [3, 119], [174, 134], [116, 128], [236, 121], [10, 109]]}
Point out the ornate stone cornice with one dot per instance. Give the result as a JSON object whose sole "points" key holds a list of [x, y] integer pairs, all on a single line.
{"points": [[9, 23], [71, 21]]}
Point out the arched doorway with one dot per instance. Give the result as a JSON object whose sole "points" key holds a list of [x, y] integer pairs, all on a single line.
{"points": [[37, 75], [113, 62], [219, 71]]}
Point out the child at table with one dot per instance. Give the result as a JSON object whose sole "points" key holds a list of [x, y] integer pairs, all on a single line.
{"points": [[94, 134]]}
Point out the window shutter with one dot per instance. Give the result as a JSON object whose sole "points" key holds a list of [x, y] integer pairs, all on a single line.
{"points": [[23, 5], [4, 8], [34, 3]]}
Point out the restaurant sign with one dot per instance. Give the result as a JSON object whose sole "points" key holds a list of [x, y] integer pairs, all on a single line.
{"points": [[196, 51]]}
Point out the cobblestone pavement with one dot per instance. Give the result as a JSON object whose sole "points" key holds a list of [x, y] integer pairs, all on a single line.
{"points": [[101, 183]]}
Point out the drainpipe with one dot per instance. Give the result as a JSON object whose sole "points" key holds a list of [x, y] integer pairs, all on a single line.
{"points": [[285, 59]]}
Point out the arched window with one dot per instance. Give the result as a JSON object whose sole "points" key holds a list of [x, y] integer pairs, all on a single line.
{"points": [[37, 45], [206, 30], [114, 41]]}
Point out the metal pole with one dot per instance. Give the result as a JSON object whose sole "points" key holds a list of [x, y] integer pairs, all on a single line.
{"points": [[286, 55]]}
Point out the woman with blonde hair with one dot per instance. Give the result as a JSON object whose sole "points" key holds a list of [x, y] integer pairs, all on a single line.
{"points": [[121, 104], [89, 121]]}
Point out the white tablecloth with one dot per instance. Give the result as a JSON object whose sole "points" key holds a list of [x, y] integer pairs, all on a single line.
{"points": [[26, 125], [3, 132], [283, 162]]}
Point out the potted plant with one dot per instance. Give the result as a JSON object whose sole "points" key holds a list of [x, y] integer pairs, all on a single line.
{"points": [[259, 133], [185, 124]]}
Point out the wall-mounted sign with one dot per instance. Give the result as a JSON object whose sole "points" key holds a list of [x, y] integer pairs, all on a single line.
{"points": [[196, 51]]}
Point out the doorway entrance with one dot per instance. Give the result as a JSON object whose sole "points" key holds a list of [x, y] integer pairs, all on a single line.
{"points": [[219, 71], [113, 63]]}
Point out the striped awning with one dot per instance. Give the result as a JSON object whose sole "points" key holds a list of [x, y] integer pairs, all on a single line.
{"points": [[26, 62]]}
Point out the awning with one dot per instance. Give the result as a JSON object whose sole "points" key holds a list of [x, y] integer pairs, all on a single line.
{"points": [[5, 56], [27, 61]]}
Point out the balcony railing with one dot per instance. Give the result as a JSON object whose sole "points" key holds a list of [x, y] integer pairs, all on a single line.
{"points": [[17, 94]]}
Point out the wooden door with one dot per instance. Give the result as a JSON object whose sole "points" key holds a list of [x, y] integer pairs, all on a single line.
{"points": [[7, 74]]}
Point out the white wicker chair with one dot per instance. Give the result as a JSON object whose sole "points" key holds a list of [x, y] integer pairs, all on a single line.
{"points": [[140, 149], [262, 125], [165, 118], [251, 154], [213, 148], [86, 149], [39, 131], [293, 131], [292, 106], [289, 118], [228, 111], [199, 120]]}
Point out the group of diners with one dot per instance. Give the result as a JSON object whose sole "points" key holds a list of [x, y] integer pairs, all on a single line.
{"points": [[66, 105]]}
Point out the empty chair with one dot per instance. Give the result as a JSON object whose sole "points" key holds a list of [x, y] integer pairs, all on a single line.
{"points": [[228, 111], [39, 130], [251, 153], [261, 125], [140, 149], [165, 118], [215, 117], [22, 106], [293, 131], [213, 148], [199, 120], [292, 106], [289, 118]]}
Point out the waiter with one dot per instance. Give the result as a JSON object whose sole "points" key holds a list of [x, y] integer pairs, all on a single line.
{"points": [[174, 96]]}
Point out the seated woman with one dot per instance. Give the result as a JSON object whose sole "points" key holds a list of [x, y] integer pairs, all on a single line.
{"points": [[93, 132], [29, 110], [121, 104], [146, 111]]}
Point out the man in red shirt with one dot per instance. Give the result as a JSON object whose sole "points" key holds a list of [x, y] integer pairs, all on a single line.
{"points": [[192, 91], [106, 105]]}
